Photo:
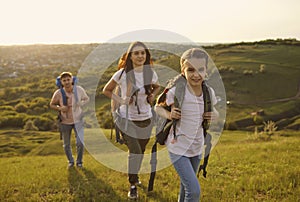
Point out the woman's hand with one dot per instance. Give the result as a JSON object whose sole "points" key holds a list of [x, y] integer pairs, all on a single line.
{"points": [[126, 101], [150, 98]]}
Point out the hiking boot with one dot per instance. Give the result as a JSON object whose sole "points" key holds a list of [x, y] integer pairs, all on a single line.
{"points": [[133, 194]]}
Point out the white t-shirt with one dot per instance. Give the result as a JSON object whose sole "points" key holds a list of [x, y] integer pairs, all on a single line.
{"points": [[144, 106], [189, 131]]}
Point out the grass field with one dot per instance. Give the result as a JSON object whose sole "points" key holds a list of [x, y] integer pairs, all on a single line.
{"points": [[241, 168]]}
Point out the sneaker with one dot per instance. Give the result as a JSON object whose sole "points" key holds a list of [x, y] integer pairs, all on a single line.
{"points": [[79, 165], [133, 194], [139, 183], [70, 165]]}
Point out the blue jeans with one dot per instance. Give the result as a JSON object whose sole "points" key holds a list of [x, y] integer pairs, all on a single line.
{"points": [[66, 131], [187, 168]]}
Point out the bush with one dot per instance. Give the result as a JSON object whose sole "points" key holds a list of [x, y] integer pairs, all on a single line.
{"points": [[7, 108], [104, 116], [43, 124], [231, 126], [14, 121], [29, 126], [21, 108], [248, 72]]}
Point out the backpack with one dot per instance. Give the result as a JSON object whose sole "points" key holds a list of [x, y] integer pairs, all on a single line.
{"points": [[164, 126], [148, 75], [63, 93], [64, 98]]}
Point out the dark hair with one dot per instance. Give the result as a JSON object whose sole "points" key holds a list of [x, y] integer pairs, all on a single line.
{"points": [[127, 64]]}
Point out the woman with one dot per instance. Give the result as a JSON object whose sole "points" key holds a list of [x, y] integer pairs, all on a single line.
{"points": [[185, 149], [139, 85]]}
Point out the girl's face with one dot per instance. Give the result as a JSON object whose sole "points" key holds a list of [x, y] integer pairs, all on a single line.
{"points": [[194, 71], [138, 56]]}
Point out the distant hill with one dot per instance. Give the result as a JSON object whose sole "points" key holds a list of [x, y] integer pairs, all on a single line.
{"points": [[259, 76]]}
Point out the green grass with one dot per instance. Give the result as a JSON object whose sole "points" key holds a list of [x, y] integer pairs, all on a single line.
{"points": [[241, 168]]}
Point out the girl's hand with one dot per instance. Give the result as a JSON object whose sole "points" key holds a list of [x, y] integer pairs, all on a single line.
{"points": [[209, 116], [175, 113]]}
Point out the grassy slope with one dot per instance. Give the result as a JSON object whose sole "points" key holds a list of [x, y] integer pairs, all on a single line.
{"points": [[241, 168]]}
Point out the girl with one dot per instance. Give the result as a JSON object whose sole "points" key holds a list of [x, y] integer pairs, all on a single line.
{"points": [[139, 85], [185, 149]]}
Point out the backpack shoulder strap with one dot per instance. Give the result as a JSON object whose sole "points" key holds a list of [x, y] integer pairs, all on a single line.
{"points": [[64, 96], [180, 85], [148, 76], [207, 105]]}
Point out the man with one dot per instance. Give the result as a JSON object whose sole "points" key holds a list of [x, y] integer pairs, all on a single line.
{"points": [[71, 115]]}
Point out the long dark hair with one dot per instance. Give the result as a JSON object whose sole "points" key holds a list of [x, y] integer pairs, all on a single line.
{"points": [[126, 63]]}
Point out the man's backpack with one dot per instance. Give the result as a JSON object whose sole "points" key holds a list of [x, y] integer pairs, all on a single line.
{"points": [[63, 93], [64, 98], [164, 126]]}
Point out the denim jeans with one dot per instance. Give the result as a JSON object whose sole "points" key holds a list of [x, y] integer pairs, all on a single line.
{"points": [[66, 131], [187, 168]]}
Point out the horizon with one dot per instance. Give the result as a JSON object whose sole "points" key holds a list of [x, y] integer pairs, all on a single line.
{"points": [[198, 43]]}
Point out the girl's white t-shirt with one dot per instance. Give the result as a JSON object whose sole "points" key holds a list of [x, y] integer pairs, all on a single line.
{"points": [[144, 106], [189, 131]]}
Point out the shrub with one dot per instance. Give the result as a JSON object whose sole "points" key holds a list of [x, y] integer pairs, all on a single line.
{"points": [[7, 108], [248, 72], [21, 108], [43, 124], [29, 125], [104, 116], [262, 68], [231, 126], [14, 121]]}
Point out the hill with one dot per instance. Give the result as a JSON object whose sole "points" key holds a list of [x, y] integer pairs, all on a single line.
{"points": [[258, 77]]}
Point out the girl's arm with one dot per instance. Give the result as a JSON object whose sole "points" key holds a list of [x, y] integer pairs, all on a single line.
{"points": [[108, 91], [175, 113]]}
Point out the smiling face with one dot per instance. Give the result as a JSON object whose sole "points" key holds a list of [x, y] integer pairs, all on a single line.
{"points": [[138, 56], [194, 70], [66, 81]]}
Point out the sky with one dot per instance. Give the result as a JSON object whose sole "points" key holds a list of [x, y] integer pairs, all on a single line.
{"points": [[97, 21]]}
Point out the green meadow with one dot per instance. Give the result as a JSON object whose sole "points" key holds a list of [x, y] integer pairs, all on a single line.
{"points": [[241, 168], [262, 85]]}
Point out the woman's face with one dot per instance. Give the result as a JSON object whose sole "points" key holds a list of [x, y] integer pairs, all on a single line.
{"points": [[194, 71], [138, 56]]}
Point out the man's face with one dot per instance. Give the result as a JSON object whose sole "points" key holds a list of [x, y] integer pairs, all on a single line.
{"points": [[66, 81]]}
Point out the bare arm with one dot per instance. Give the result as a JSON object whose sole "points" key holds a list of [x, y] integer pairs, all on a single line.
{"points": [[108, 91], [175, 113]]}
